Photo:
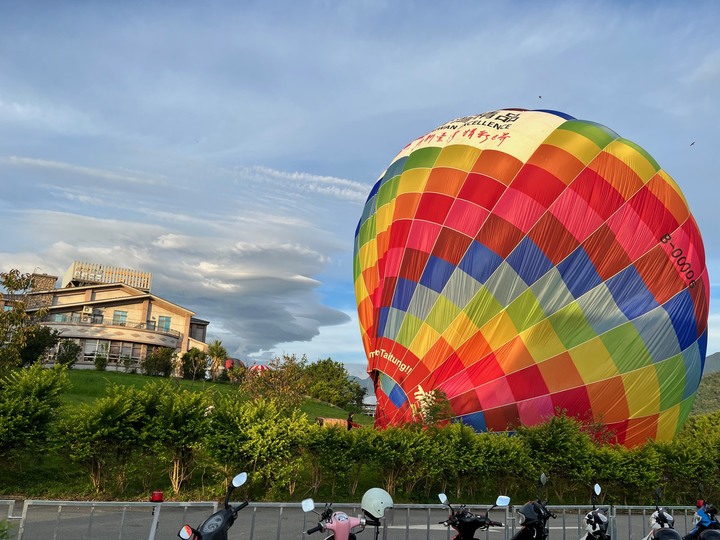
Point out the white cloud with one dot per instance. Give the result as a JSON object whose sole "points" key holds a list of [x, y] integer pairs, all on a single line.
{"points": [[75, 170], [206, 146]]}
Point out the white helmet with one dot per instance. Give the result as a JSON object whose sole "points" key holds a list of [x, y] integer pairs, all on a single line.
{"points": [[375, 502]]}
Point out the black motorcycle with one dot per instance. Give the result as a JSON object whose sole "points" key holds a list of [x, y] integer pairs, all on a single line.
{"points": [[466, 523], [216, 526], [533, 517]]}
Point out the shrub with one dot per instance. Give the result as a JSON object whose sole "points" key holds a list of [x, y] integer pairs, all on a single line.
{"points": [[67, 353], [159, 362], [29, 401]]}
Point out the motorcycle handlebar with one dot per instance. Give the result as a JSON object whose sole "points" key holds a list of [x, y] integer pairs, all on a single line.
{"points": [[495, 524], [241, 506], [314, 530]]}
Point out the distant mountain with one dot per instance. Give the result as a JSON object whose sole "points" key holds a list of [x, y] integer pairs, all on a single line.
{"points": [[366, 383], [712, 364]]}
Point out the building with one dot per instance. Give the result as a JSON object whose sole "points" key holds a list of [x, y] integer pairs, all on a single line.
{"points": [[99, 308]]}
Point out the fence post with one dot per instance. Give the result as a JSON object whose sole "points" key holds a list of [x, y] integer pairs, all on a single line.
{"points": [[156, 517]]}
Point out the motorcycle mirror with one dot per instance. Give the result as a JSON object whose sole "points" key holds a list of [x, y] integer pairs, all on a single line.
{"points": [[502, 500], [186, 532], [239, 480], [597, 489], [308, 505], [658, 494], [443, 498], [541, 482]]}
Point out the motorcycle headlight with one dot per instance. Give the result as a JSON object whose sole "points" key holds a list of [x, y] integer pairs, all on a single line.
{"points": [[520, 518]]}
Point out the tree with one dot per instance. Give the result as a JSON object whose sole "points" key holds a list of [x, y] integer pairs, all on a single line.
{"points": [[628, 475], [363, 453], [67, 353], [328, 381], [561, 449], [29, 400], [176, 426], [217, 354], [103, 435], [16, 325], [257, 436], [283, 383], [38, 342], [399, 450], [193, 363], [329, 453]]}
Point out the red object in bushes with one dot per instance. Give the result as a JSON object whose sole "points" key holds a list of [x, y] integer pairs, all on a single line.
{"points": [[157, 496]]}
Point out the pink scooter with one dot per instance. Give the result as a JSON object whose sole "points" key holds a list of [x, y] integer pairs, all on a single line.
{"points": [[374, 505]]}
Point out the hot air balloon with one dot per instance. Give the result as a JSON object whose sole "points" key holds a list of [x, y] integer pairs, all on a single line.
{"points": [[526, 262]]}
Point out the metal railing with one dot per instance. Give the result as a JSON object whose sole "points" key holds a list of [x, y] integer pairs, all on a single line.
{"points": [[136, 325], [42, 519]]}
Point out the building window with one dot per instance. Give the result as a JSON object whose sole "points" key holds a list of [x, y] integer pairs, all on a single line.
{"points": [[97, 318], [95, 347], [119, 318], [59, 317], [164, 323]]}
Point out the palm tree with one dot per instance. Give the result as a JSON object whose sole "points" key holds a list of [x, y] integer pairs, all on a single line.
{"points": [[217, 354]]}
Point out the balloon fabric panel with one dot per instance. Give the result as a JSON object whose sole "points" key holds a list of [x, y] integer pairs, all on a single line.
{"points": [[524, 261]]}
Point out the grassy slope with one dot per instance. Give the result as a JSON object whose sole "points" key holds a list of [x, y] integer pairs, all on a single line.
{"points": [[707, 399], [88, 385]]}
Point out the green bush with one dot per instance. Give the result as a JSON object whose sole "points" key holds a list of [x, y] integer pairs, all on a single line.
{"points": [[100, 361], [67, 353], [164, 435], [29, 403], [158, 362]]}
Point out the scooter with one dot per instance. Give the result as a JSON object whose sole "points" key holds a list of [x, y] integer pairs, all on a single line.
{"points": [[533, 517], [466, 523], [217, 525], [710, 528], [376, 503], [662, 523], [596, 521]]}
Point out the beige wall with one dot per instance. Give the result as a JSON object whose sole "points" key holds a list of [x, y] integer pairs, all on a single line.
{"points": [[140, 309]]}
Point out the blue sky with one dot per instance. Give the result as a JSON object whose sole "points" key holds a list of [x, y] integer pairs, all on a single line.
{"points": [[227, 147]]}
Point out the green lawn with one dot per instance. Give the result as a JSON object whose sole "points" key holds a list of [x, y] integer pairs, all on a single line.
{"points": [[88, 385]]}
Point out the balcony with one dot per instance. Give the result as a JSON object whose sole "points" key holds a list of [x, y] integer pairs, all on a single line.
{"points": [[90, 321]]}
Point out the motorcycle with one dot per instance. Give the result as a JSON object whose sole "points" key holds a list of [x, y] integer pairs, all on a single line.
{"points": [[466, 523], [596, 521], [705, 523], [662, 523], [375, 504], [712, 530], [217, 525], [533, 517]]}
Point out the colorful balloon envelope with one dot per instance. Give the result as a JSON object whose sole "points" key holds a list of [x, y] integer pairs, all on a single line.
{"points": [[524, 263]]}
